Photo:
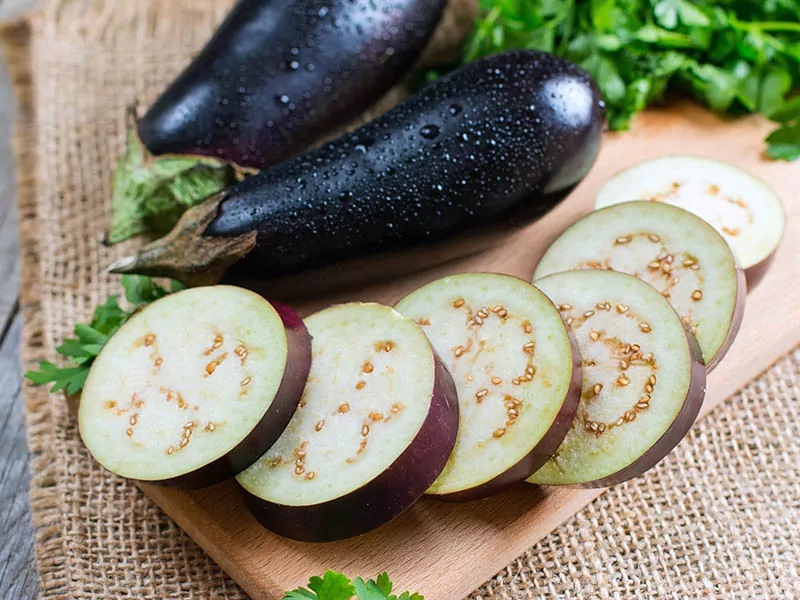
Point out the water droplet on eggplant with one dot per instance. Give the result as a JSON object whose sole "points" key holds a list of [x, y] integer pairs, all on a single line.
{"points": [[429, 132]]}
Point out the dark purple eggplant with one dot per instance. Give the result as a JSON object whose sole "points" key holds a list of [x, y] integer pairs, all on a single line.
{"points": [[279, 74], [495, 144]]}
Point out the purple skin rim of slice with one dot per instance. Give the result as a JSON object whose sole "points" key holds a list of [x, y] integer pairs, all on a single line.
{"points": [[271, 425], [543, 450], [755, 274], [736, 319], [384, 497]]}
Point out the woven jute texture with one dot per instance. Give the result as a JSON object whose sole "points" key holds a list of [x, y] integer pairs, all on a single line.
{"points": [[719, 518]]}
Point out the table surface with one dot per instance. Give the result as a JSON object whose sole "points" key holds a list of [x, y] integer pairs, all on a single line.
{"points": [[17, 565]]}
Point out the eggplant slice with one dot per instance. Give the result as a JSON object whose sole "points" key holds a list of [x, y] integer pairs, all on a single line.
{"points": [[676, 252], [743, 208], [643, 378], [195, 387], [516, 371], [374, 429]]}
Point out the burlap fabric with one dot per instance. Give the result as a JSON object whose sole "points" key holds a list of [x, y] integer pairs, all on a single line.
{"points": [[720, 518]]}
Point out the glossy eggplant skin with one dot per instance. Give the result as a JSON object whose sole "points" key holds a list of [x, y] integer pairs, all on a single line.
{"points": [[499, 142], [279, 74]]}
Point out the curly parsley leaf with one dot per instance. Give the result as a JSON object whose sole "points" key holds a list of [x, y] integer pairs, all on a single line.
{"points": [[336, 586], [788, 112], [735, 56], [384, 583], [671, 13], [784, 143], [109, 316], [68, 379], [380, 589], [143, 290], [331, 586], [370, 590], [300, 594], [81, 350]]}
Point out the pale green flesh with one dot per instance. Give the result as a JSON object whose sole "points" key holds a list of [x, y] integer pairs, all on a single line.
{"points": [[178, 366], [742, 208], [326, 452], [484, 360], [586, 456], [639, 238]]}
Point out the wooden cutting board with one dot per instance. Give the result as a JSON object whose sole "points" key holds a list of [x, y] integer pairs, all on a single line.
{"points": [[445, 551]]}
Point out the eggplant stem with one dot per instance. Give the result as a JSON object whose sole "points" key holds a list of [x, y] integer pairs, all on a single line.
{"points": [[186, 253]]}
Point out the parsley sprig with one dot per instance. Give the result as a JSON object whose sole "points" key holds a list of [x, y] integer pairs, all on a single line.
{"points": [[81, 350], [736, 56], [337, 586]]}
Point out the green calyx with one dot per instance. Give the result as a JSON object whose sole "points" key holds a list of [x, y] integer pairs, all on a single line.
{"points": [[150, 193]]}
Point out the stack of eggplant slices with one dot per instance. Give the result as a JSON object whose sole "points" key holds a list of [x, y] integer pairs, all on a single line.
{"points": [[336, 424]]}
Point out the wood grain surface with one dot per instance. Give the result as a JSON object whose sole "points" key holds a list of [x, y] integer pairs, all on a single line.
{"points": [[443, 550], [18, 579]]}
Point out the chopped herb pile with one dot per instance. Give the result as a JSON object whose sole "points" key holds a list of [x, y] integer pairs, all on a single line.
{"points": [[336, 586], [735, 56], [81, 350]]}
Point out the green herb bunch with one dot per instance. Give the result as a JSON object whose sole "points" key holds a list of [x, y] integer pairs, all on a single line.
{"points": [[336, 586], [81, 350], [736, 56]]}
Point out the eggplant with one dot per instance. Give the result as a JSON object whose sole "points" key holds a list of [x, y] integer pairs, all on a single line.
{"points": [[517, 374], [279, 74], [195, 387], [673, 250], [743, 208], [490, 147], [644, 379], [376, 425]]}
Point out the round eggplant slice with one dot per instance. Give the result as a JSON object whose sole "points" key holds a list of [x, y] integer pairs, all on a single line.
{"points": [[374, 429], [744, 209], [516, 371], [676, 252], [643, 378], [195, 387]]}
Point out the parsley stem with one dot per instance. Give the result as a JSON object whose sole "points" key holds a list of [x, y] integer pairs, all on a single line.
{"points": [[569, 26], [482, 33], [562, 14], [772, 26]]}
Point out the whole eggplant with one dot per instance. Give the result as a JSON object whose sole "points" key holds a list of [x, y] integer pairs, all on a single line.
{"points": [[495, 144], [279, 74]]}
